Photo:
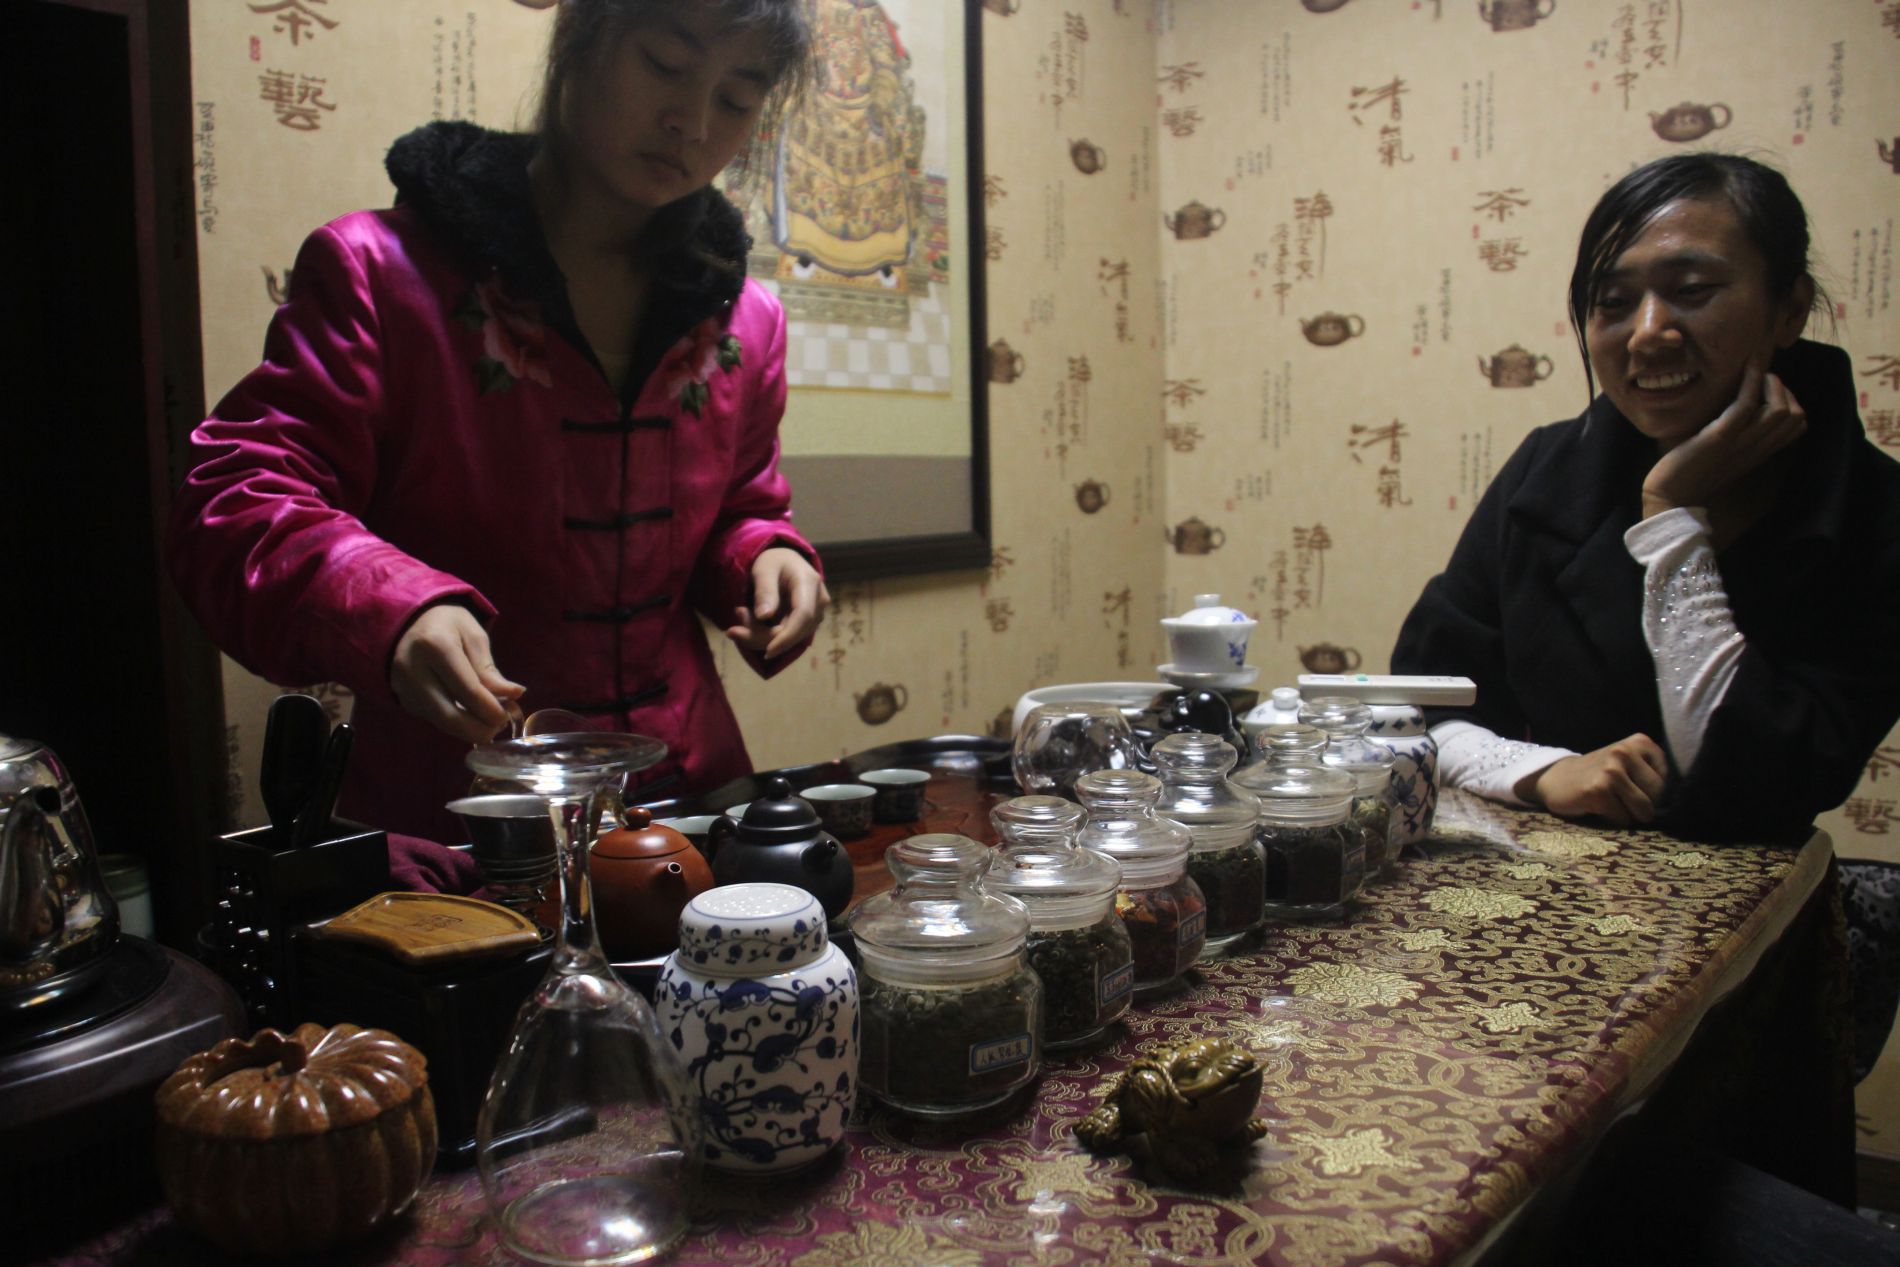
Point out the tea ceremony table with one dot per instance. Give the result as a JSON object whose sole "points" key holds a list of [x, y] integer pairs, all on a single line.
{"points": [[1436, 1065]]}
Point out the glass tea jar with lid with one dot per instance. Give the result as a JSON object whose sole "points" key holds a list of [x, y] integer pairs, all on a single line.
{"points": [[1316, 857], [949, 1007], [1281, 742], [1344, 720], [1160, 904], [1293, 743], [1078, 945], [1226, 859]]}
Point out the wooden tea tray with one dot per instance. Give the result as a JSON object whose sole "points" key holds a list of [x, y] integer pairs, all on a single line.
{"points": [[432, 929]]}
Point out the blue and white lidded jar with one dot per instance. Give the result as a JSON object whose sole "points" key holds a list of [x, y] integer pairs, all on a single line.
{"points": [[763, 1012], [1401, 728]]}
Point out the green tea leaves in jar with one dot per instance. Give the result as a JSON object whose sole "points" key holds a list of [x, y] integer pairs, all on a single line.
{"points": [[950, 1010], [1076, 944], [945, 1048]]}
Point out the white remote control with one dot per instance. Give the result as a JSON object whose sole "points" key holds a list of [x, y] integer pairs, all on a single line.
{"points": [[1380, 688]]}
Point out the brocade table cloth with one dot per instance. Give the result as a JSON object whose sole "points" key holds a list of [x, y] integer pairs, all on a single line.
{"points": [[1457, 1042]]}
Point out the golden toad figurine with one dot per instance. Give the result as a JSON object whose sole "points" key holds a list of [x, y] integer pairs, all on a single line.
{"points": [[1188, 1098]]}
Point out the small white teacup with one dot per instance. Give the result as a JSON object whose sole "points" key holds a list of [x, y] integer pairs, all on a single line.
{"points": [[843, 808], [900, 794]]}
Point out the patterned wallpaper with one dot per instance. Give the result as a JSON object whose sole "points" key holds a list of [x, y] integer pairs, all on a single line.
{"points": [[1273, 290]]}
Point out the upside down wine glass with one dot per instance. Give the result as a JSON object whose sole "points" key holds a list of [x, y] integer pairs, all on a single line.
{"points": [[586, 1146]]}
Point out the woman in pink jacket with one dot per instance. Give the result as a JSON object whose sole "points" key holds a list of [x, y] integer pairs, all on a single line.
{"points": [[512, 434]]}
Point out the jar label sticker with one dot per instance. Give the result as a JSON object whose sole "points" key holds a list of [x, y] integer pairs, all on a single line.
{"points": [[1115, 984], [1193, 928], [1001, 1053]]}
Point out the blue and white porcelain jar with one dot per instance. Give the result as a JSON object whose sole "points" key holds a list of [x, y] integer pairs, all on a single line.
{"points": [[763, 1012], [1401, 728]]}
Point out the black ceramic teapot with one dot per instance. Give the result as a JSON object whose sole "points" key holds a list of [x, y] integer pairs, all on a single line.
{"points": [[779, 841], [1186, 712]]}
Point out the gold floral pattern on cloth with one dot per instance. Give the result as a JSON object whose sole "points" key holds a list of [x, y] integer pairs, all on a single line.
{"points": [[1687, 860], [1421, 1083], [1429, 939], [1505, 1019], [1565, 844], [881, 1244], [1611, 925], [1526, 870], [1352, 986], [1354, 1151], [1479, 903]]}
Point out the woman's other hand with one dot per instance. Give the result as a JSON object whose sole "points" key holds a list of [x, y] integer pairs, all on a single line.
{"points": [[1763, 419], [788, 600], [1621, 782], [444, 673]]}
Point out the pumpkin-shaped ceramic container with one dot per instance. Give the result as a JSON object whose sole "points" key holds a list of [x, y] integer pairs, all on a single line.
{"points": [[290, 1143]]}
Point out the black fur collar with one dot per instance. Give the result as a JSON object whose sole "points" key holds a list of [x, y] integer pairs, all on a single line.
{"points": [[470, 184]]}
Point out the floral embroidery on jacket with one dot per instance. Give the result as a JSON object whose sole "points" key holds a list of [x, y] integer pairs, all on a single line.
{"points": [[514, 340], [686, 369]]}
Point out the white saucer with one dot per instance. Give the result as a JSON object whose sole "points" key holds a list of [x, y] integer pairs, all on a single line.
{"points": [[1243, 676]]}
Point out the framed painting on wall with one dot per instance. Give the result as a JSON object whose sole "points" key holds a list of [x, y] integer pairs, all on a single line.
{"points": [[865, 207]]}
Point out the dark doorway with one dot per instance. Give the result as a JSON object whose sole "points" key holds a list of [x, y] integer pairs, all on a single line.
{"points": [[103, 380]]}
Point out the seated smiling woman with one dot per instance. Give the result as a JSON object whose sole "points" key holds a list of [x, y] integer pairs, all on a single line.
{"points": [[1682, 607]]}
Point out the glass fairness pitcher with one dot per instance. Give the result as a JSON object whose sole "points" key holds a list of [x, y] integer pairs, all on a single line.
{"points": [[587, 1146]]}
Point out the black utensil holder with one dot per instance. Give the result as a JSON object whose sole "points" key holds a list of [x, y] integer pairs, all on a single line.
{"points": [[263, 893]]}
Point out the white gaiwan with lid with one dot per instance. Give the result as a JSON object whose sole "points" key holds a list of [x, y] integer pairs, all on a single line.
{"points": [[1211, 638]]}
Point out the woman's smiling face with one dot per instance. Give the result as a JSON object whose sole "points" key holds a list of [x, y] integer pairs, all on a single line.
{"points": [[1679, 315]]}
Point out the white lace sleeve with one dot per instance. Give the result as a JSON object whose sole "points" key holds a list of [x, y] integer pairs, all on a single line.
{"points": [[1686, 622], [1475, 759]]}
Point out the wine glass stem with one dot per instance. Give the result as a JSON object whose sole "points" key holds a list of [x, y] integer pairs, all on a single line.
{"points": [[573, 839]]}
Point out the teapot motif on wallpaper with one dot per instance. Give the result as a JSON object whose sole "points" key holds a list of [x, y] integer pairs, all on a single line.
{"points": [[1325, 657], [1088, 157], [1515, 367], [1689, 121], [1191, 536], [1515, 15], [1330, 329], [1194, 220], [879, 703], [1005, 362]]}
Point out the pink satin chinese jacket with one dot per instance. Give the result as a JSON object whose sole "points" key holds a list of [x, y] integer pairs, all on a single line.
{"points": [[421, 430]]}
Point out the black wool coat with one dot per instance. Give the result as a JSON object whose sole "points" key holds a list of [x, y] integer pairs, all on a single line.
{"points": [[1542, 606]]}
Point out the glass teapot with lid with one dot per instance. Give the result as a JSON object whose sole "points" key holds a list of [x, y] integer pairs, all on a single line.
{"points": [[57, 922]]}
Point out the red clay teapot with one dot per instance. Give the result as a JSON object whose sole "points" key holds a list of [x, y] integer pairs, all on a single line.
{"points": [[644, 875]]}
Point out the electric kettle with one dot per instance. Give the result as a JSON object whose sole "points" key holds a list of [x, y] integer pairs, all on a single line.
{"points": [[57, 922]]}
